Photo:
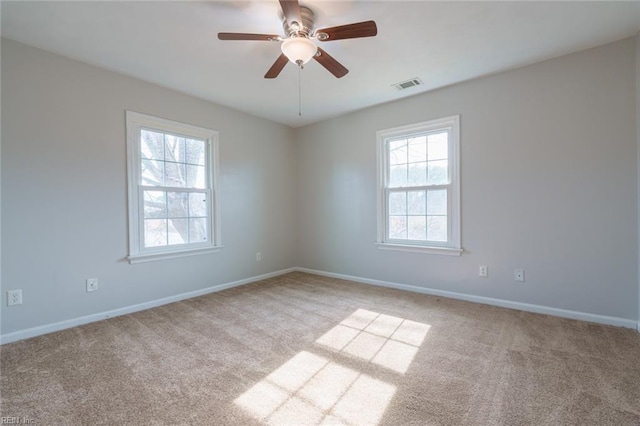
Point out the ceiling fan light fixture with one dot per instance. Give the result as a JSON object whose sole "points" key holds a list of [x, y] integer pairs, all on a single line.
{"points": [[298, 44], [299, 50]]}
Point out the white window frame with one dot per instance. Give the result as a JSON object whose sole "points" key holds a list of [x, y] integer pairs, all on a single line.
{"points": [[135, 122], [453, 245]]}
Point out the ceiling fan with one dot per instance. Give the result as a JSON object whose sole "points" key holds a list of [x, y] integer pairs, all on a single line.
{"points": [[297, 46]]}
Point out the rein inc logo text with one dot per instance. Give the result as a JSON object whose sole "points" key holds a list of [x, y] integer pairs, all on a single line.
{"points": [[14, 420]]}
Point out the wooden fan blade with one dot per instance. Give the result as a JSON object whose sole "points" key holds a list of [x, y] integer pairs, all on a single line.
{"points": [[246, 36], [333, 66], [360, 29], [291, 10], [277, 66]]}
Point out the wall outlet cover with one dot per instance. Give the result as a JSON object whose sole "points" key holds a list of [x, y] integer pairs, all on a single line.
{"points": [[92, 284], [483, 271], [14, 297]]}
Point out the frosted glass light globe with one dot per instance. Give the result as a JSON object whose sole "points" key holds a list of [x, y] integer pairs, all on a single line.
{"points": [[299, 49]]}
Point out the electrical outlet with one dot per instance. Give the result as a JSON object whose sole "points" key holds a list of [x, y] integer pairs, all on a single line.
{"points": [[92, 284], [258, 257], [483, 271], [14, 297], [518, 275]]}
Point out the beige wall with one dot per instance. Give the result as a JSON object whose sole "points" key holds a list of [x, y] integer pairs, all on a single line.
{"points": [[64, 191], [549, 184]]}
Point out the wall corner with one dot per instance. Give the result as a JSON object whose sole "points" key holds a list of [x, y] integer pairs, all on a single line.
{"points": [[638, 160]]}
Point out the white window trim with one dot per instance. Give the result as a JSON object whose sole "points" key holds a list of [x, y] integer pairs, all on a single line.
{"points": [[453, 246], [137, 254]]}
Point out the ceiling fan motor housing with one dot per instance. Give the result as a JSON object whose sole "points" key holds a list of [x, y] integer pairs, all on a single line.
{"points": [[304, 28]]}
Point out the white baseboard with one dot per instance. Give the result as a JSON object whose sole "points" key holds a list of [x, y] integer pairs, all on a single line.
{"points": [[62, 325], [539, 309]]}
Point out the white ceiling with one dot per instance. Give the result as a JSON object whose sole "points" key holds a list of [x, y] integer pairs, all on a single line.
{"points": [[174, 44]]}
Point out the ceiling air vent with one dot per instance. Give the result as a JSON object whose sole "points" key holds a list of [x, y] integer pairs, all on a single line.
{"points": [[407, 84]]}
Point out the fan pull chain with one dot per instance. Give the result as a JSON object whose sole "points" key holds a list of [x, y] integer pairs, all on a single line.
{"points": [[300, 90]]}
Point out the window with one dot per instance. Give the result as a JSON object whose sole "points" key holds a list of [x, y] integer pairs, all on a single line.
{"points": [[419, 187], [172, 198]]}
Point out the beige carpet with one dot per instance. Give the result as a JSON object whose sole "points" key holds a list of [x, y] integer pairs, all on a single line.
{"points": [[303, 349]]}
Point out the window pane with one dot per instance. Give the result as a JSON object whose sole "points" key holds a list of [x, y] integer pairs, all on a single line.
{"points": [[417, 227], [438, 149], [398, 176], [398, 203], [175, 175], [417, 203], [172, 169], [197, 230], [195, 177], [197, 204], [174, 148], [178, 203], [155, 232], [155, 204], [178, 231], [398, 227], [418, 174], [398, 152], [195, 151], [152, 172], [437, 202], [438, 173], [418, 149], [437, 228], [152, 145], [420, 188]]}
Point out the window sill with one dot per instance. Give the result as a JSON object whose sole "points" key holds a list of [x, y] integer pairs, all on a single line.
{"points": [[152, 257], [447, 251]]}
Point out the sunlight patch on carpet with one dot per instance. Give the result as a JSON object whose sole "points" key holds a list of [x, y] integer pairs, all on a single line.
{"points": [[384, 340], [311, 389]]}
